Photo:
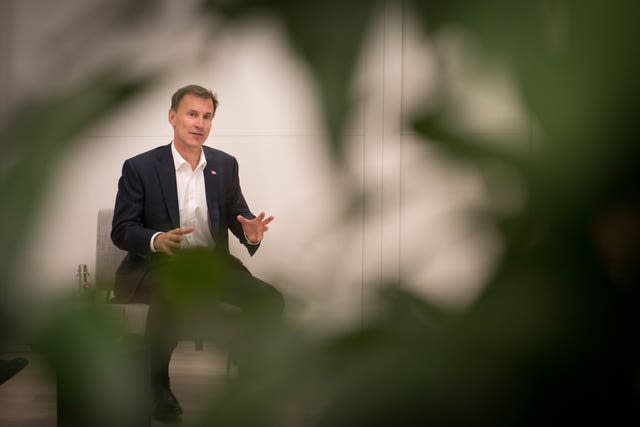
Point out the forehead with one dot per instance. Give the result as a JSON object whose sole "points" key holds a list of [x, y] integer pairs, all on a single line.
{"points": [[193, 102]]}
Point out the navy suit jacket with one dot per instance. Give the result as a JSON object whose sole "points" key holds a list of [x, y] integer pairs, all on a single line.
{"points": [[147, 202]]}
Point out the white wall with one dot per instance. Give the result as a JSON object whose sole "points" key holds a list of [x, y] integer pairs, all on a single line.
{"points": [[413, 229]]}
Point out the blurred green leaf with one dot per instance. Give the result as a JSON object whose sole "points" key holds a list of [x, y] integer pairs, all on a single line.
{"points": [[101, 377]]}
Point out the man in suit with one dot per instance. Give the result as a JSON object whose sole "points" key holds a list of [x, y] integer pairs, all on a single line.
{"points": [[175, 197]]}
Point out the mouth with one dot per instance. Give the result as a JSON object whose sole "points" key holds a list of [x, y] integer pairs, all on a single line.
{"points": [[197, 133]]}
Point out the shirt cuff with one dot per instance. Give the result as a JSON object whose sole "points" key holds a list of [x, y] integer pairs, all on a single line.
{"points": [[250, 242], [151, 242]]}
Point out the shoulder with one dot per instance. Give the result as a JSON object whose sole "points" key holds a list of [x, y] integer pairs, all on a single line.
{"points": [[148, 157], [213, 154]]}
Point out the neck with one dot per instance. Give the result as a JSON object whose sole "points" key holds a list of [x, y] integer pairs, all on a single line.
{"points": [[191, 155]]}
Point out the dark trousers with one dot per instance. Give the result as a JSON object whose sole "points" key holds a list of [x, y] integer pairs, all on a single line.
{"points": [[258, 301]]}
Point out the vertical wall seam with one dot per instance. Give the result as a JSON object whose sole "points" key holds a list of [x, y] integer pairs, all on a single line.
{"points": [[362, 191], [401, 127], [382, 136]]}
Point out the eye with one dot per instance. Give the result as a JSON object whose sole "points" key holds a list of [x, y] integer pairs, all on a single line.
{"points": [[193, 114]]}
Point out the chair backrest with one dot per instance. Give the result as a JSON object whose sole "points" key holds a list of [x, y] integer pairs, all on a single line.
{"points": [[108, 256]]}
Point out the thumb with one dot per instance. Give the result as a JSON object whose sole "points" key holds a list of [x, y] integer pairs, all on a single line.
{"points": [[242, 220]]}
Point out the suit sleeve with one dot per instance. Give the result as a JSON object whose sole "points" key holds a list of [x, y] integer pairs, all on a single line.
{"points": [[238, 206], [128, 232]]}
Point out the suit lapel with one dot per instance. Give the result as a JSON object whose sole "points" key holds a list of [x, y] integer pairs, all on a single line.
{"points": [[167, 175], [212, 186]]}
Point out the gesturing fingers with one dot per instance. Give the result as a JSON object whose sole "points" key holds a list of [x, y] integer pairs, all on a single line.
{"points": [[260, 219], [183, 230], [268, 220], [170, 239], [176, 235], [255, 228]]}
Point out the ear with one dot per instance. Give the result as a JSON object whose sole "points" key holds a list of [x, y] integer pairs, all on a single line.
{"points": [[172, 117]]}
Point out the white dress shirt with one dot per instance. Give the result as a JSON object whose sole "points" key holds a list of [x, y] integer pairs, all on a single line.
{"points": [[192, 202]]}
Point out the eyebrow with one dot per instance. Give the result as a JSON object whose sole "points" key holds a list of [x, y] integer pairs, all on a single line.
{"points": [[196, 111]]}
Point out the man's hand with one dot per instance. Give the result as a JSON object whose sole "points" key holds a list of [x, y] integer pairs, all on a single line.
{"points": [[254, 228], [171, 239]]}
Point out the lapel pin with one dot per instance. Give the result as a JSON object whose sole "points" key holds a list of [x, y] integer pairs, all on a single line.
{"points": [[213, 172]]}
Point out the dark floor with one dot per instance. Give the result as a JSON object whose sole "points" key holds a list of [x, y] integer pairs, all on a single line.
{"points": [[29, 398]]}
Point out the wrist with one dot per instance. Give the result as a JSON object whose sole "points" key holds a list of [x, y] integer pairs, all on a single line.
{"points": [[152, 242], [249, 241]]}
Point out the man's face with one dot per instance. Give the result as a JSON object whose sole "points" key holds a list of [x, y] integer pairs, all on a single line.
{"points": [[192, 121]]}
